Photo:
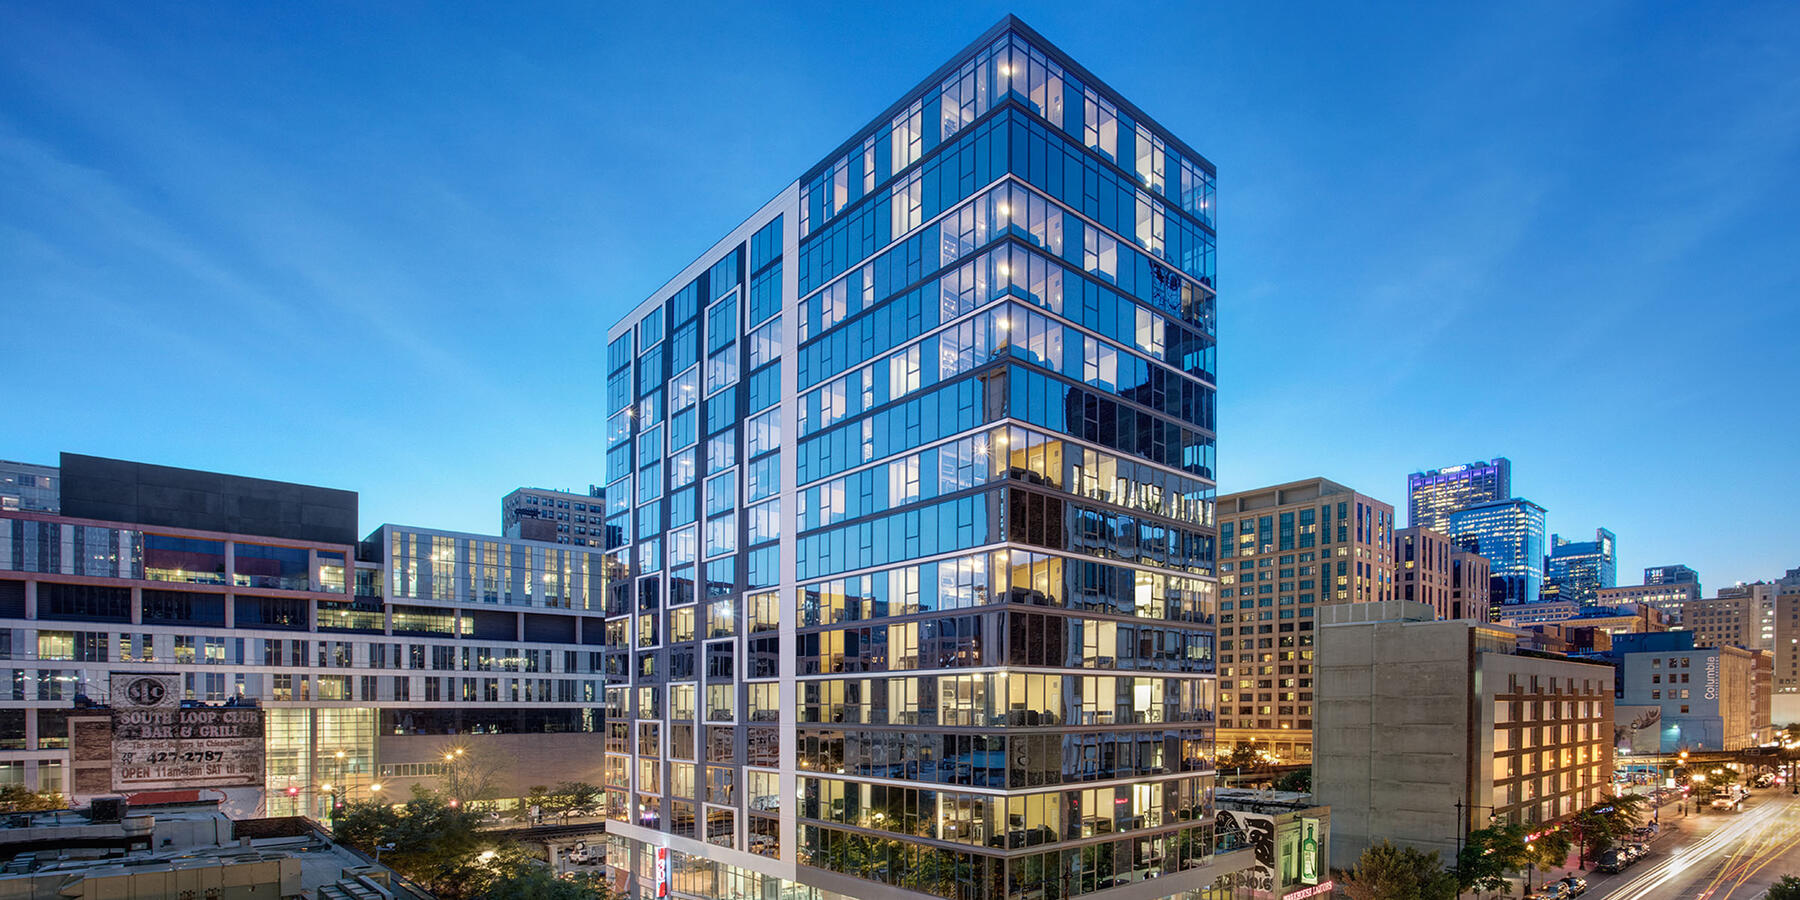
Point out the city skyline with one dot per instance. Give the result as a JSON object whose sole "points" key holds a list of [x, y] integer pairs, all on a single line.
{"points": [[421, 350]]}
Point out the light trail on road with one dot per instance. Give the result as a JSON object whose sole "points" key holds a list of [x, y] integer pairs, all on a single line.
{"points": [[1701, 851]]}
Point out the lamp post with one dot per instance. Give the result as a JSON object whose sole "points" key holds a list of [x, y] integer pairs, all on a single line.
{"points": [[1461, 833]]}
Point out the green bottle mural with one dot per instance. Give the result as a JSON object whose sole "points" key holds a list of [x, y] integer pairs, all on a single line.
{"points": [[1309, 852]]}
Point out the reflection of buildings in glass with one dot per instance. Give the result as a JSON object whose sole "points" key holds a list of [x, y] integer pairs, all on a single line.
{"points": [[1510, 535], [953, 421], [1580, 569]]}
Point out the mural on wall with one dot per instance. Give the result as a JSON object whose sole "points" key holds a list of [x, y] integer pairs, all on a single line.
{"points": [[1637, 729], [1257, 833]]}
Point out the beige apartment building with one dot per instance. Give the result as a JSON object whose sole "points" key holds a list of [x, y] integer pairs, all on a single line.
{"points": [[1430, 729], [1287, 552], [1740, 616], [1666, 597], [1430, 568]]}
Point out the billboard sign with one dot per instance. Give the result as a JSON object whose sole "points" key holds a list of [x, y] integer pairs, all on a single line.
{"points": [[157, 744]]}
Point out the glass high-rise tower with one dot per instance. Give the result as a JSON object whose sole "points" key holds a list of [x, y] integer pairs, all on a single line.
{"points": [[910, 514], [1510, 533], [1580, 569], [1431, 497]]}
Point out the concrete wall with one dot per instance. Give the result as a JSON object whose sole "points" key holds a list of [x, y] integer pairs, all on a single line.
{"points": [[523, 760], [1391, 733]]}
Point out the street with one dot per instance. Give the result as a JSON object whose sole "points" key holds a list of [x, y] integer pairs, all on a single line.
{"points": [[1715, 855]]}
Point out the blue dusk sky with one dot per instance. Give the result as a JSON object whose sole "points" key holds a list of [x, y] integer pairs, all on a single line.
{"points": [[377, 245]]}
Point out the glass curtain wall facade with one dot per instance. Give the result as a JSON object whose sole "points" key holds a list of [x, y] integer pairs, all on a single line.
{"points": [[910, 514], [1579, 569], [1510, 534], [1431, 497]]}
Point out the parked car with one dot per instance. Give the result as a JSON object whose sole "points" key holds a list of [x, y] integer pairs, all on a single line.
{"points": [[1613, 861], [1726, 802], [1576, 885], [1554, 890]]}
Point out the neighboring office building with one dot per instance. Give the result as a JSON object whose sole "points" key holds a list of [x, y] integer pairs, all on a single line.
{"points": [[991, 497], [1623, 619], [1676, 574], [562, 517], [1417, 716], [1520, 615], [1668, 597], [1432, 496], [1705, 696], [1430, 568], [388, 650], [27, 486], [1510, 535], [1785, 677], [1582, 568], [1289, 550], [1741, 616], [1762, 695]]}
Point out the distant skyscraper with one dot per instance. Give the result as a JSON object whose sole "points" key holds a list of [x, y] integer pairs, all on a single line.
{"points": [[29, 487], [1510, 533], [1432, 496], [1671, 575], [1581, 568]]}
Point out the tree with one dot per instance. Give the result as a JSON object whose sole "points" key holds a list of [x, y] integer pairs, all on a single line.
{"points": [[1388, 872], [471, 774], [1602, 825], [1247, 758], [535, 884], [1297, 780], [1788, 888], [1548, 851], [1489, 856], [576, 798], [431, 842], [537, 797]]}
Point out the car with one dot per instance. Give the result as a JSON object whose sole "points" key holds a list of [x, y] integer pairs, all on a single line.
{"points": [[1726, 802], [1576, 885], [1613, 861]]}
